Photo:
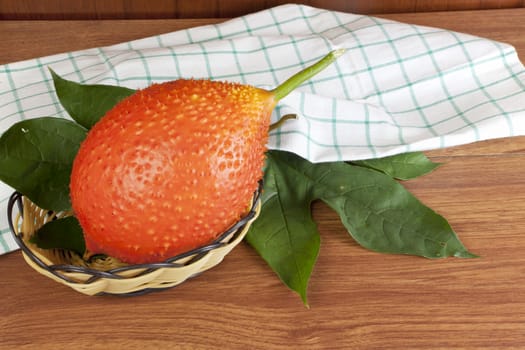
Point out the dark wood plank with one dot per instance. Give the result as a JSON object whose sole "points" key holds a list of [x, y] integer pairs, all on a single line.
{"points": [[145, 9]]}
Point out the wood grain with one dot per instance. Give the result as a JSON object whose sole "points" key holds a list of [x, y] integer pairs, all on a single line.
{"points": [[77, 35], [146, 9], [359, 299]]}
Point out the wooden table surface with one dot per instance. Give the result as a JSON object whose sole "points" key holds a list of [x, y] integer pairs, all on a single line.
{"points": [[359, 299]]}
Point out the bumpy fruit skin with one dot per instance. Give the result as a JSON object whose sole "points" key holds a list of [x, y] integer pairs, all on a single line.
{"points": [[170, 168]]}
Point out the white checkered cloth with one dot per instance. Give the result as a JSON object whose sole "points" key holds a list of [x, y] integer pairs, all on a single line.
{"points": [[399, 87]]}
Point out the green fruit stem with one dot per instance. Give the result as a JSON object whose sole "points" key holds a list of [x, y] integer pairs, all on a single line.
{"points": [[280, 122], [297, 79]]}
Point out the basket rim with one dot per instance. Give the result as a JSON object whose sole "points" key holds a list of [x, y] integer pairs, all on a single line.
{"points": [[198, 253]]}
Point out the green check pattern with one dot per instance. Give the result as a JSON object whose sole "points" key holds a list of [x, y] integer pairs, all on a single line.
{"points": [[399, 87]]}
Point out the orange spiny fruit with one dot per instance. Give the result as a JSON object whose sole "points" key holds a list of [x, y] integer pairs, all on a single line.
{"points": [[174, 165]]}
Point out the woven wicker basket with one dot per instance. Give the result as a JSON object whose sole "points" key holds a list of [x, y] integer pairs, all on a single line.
{"points": [[106, 275]]}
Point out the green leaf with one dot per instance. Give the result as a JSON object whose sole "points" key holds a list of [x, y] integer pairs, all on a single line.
{"points": [[85, 103], [36, 157], [383, 216], [64, 233], [403, 166], [285, 234], [379, 213]]}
